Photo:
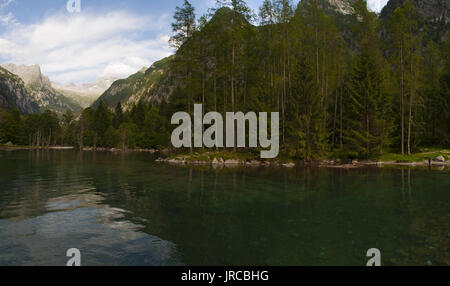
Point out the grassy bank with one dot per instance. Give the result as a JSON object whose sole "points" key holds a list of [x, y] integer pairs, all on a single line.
{"points": [[425, 155], [252, 157]]}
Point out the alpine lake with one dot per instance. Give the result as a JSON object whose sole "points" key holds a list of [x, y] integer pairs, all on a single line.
{"points": [[126, 209]]}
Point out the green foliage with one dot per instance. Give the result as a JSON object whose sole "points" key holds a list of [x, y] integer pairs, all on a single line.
{"points": [[144, 126], [184, 25], [418, 157], [9, 124], [33, 129]]}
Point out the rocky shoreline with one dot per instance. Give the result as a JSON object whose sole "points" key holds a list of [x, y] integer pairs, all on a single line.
{"points": [[227, 163], [218, 161], [231, 163]]}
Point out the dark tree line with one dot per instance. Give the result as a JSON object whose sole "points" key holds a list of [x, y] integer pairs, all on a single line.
{"points": [[143, 126]]}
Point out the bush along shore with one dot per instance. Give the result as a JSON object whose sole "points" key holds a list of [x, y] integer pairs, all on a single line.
{"points": [[11, 147], [238, 159]]}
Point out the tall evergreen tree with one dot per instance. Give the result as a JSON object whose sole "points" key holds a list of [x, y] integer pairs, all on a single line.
{"points": [[118, 115], [364, 88], [184, 28]]}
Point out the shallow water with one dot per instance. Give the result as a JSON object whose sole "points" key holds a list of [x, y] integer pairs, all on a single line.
{"points": [[124, 209]]}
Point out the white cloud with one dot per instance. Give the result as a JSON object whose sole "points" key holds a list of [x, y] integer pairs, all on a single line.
{"points": [[83, 46], [128, 66], [7, 19], [376, 5]]}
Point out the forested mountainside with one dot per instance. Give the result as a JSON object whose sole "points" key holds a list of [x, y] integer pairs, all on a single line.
{"points": [[41, 91], [346, 82], [13, 94], [150, 85]]}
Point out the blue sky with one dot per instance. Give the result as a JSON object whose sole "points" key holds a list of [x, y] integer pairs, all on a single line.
{"points": [[107, 38]]}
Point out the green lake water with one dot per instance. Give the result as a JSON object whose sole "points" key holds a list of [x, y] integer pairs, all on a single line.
{"points": [[124, 209]]}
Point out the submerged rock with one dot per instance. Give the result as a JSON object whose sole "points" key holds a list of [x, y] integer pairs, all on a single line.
{"points": [[289, 165], [253, 163], [232, 162], [217, 161]]}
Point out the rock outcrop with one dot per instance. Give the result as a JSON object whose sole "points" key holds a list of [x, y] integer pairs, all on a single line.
{"points": [[431, 10], [40, 89], [14, 95]]}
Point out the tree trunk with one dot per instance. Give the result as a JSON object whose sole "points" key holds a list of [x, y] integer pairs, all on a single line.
{"points": [[334, 119], [411, 90], [188, 75], [411, 97], [341, 121], [402, 106], [232, 92], [283, 114]]}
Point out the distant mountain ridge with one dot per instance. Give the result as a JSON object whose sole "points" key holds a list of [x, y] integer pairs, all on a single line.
{"points": [[95, 88], [29, 74], [85, 94], [40, 89], [14, 95]]}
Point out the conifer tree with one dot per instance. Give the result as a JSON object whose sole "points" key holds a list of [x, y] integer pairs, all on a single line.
{"points": [[364, 88]]}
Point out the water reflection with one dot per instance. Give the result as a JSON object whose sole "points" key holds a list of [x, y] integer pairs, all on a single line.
{"points": [[122, 209], [48, 204]]}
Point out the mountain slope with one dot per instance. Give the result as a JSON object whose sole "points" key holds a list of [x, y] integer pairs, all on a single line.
{"points": [[13, 94], [432, 10], [40, 89], [435, 13], [87, 93], [149, 85]]}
